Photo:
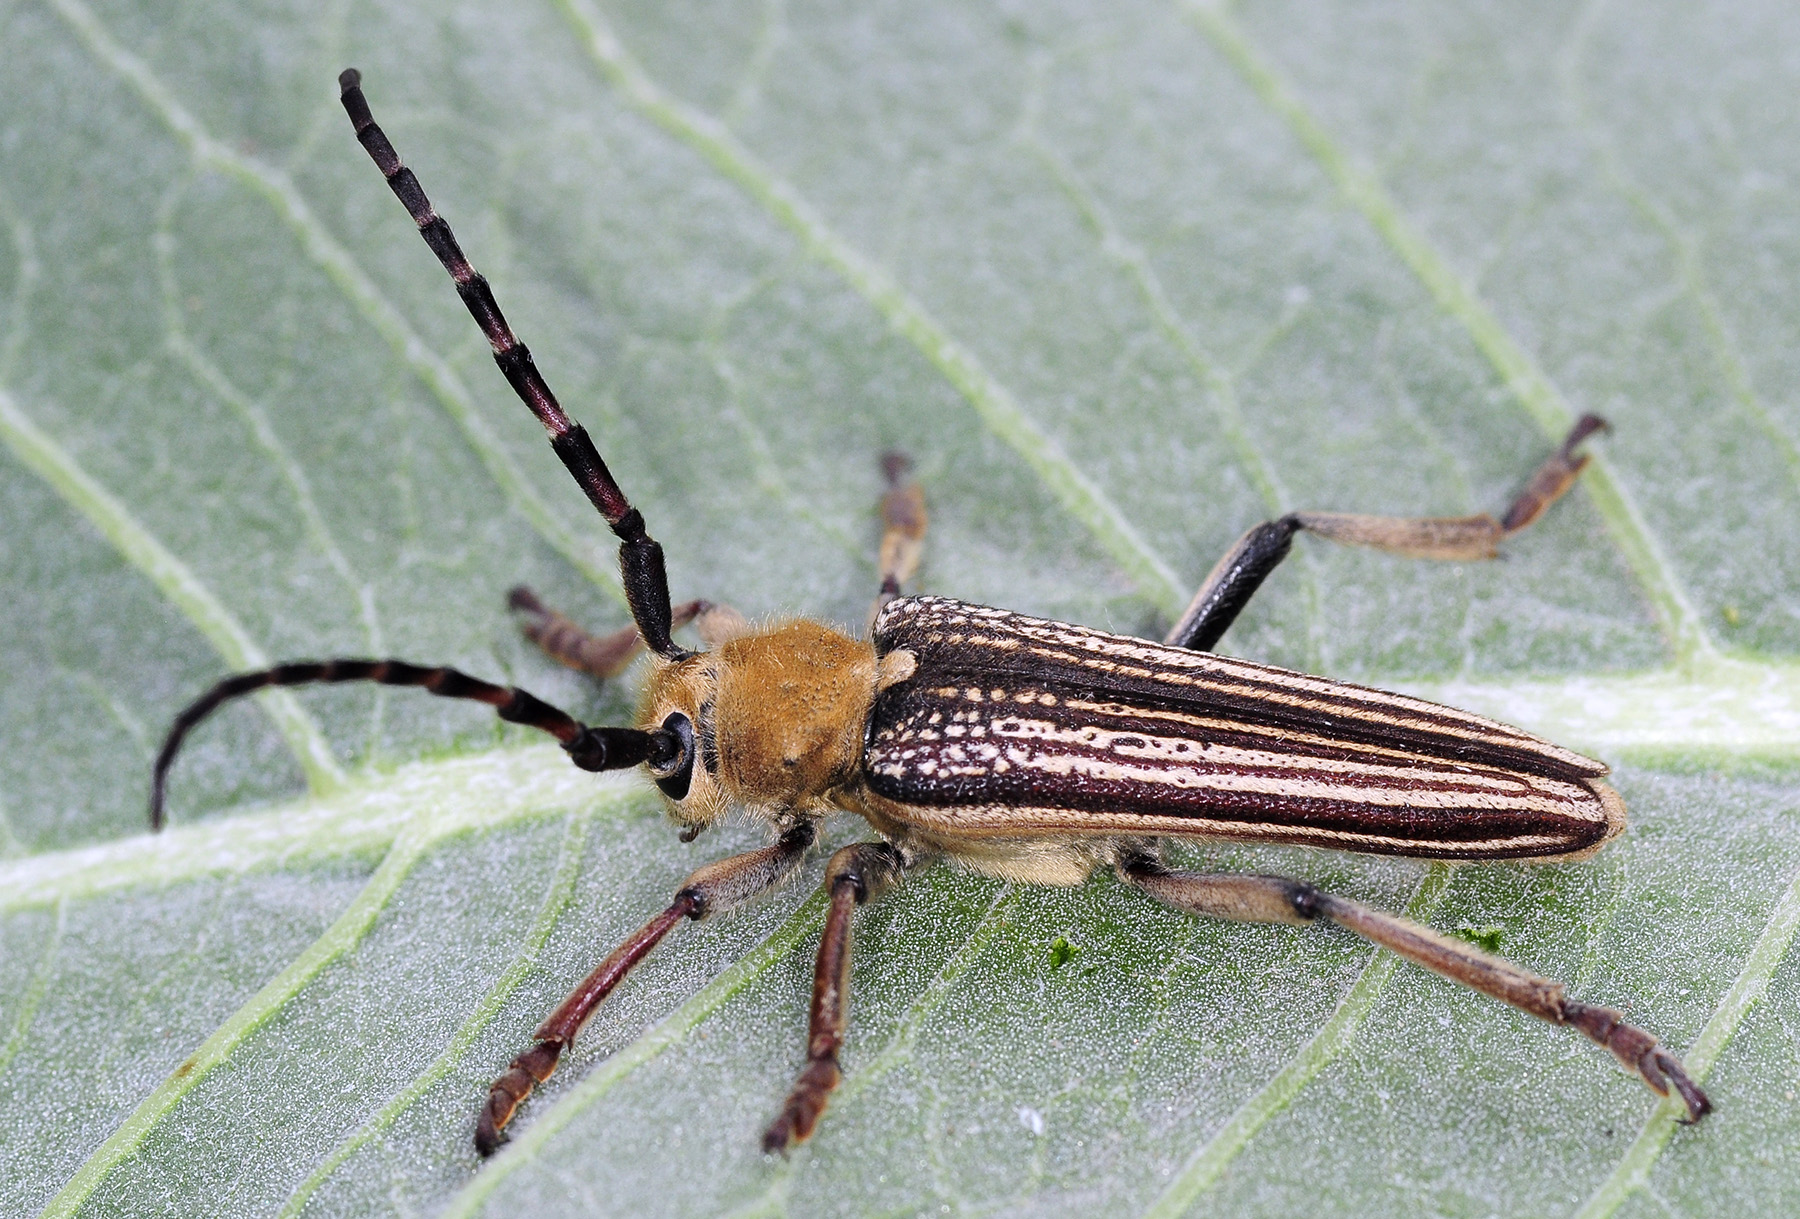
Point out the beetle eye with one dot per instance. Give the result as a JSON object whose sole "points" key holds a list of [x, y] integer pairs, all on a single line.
{"points": [[675, 774]]}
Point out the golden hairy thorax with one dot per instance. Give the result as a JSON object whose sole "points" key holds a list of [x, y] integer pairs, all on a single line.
{"points": [[779, 714]]}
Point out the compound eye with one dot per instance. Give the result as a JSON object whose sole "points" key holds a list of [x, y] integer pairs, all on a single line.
{"points": [[675, 773]]}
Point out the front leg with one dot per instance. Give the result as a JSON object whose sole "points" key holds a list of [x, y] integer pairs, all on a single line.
{"points": [[855, 875], [1276, 899], [602, 656], [717, 886]]}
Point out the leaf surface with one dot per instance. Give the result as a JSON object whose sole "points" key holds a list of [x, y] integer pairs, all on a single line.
{"points": [[1124, 279]]}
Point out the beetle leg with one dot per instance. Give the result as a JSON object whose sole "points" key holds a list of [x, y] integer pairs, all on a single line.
{"points": [[1235, 578], [854, 876], [902, 529], [717, 886], [1276, 899], [602, 656]]}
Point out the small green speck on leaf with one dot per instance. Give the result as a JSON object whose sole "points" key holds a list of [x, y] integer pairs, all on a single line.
{"points": [[1487, 937], [1062, 952]]}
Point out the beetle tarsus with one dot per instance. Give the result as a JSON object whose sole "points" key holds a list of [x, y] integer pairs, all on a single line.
{"points": [[804, 1105], [508, 1092], [1639, 1053]]}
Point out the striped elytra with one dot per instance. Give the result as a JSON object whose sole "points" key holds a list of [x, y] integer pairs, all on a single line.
{"points": [[1015, 725]]}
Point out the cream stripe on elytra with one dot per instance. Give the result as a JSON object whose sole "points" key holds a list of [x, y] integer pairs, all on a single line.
{"points": [[1014, 821], [1196, 725], [959, 627], [1239, 772], [1000, 720]]}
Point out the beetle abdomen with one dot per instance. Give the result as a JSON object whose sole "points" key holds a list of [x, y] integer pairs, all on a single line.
{"points": [[1014, 725]]}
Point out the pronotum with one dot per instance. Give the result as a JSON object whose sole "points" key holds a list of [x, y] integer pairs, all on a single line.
{"points": [[1031, 750]]}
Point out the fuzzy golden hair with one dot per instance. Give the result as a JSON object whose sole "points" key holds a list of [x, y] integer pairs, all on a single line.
{"points": [[778, 715]]}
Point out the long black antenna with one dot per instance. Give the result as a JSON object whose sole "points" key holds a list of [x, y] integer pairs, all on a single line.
{"points": [[640, 556], [589, 748]]}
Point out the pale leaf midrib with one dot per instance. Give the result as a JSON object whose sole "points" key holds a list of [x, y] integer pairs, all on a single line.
{"points": [[486, 790], [340, 938], [1751, 709], [422, 824]]}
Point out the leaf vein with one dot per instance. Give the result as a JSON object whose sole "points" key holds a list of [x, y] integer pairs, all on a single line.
{"points": [[1128, 254], [1209, 1161], [1690, 271], [209, 374], [1771, 948], [482, 791], [174, 579], [1528, 383], [906, 1034], [666, 1034], [276, 188], [993, 402], [557, 896], [36, 989], [343, 935]]}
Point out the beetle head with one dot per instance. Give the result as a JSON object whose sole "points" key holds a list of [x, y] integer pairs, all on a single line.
{"points": [[772, 720]]}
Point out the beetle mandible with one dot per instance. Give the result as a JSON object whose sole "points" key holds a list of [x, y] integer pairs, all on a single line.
{"points": [[1021, 748]]}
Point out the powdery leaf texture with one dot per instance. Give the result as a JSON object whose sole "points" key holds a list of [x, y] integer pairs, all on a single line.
{"points": [[1124, 278]]}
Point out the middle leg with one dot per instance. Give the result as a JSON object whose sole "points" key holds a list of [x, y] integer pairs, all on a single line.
{"points": [[855, 875], [902, 529], [607, 656]]}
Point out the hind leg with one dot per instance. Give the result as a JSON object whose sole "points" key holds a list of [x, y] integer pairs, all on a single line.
{"points": [[1235, 578], [1276, 899]]}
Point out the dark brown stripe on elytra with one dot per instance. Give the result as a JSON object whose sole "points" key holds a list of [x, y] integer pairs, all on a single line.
{"points": [[957, 644], [1219, 680], [1343, 814], [997, 637]]}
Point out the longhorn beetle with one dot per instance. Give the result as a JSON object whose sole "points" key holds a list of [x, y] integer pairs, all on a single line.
{"points": [[1024, 749]]}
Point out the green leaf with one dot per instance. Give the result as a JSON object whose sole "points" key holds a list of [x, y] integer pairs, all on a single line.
{"points": [[1124, 279]]}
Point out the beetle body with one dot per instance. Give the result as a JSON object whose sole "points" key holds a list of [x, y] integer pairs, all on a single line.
{"points": [[1026, 749], [1020, 746]]}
